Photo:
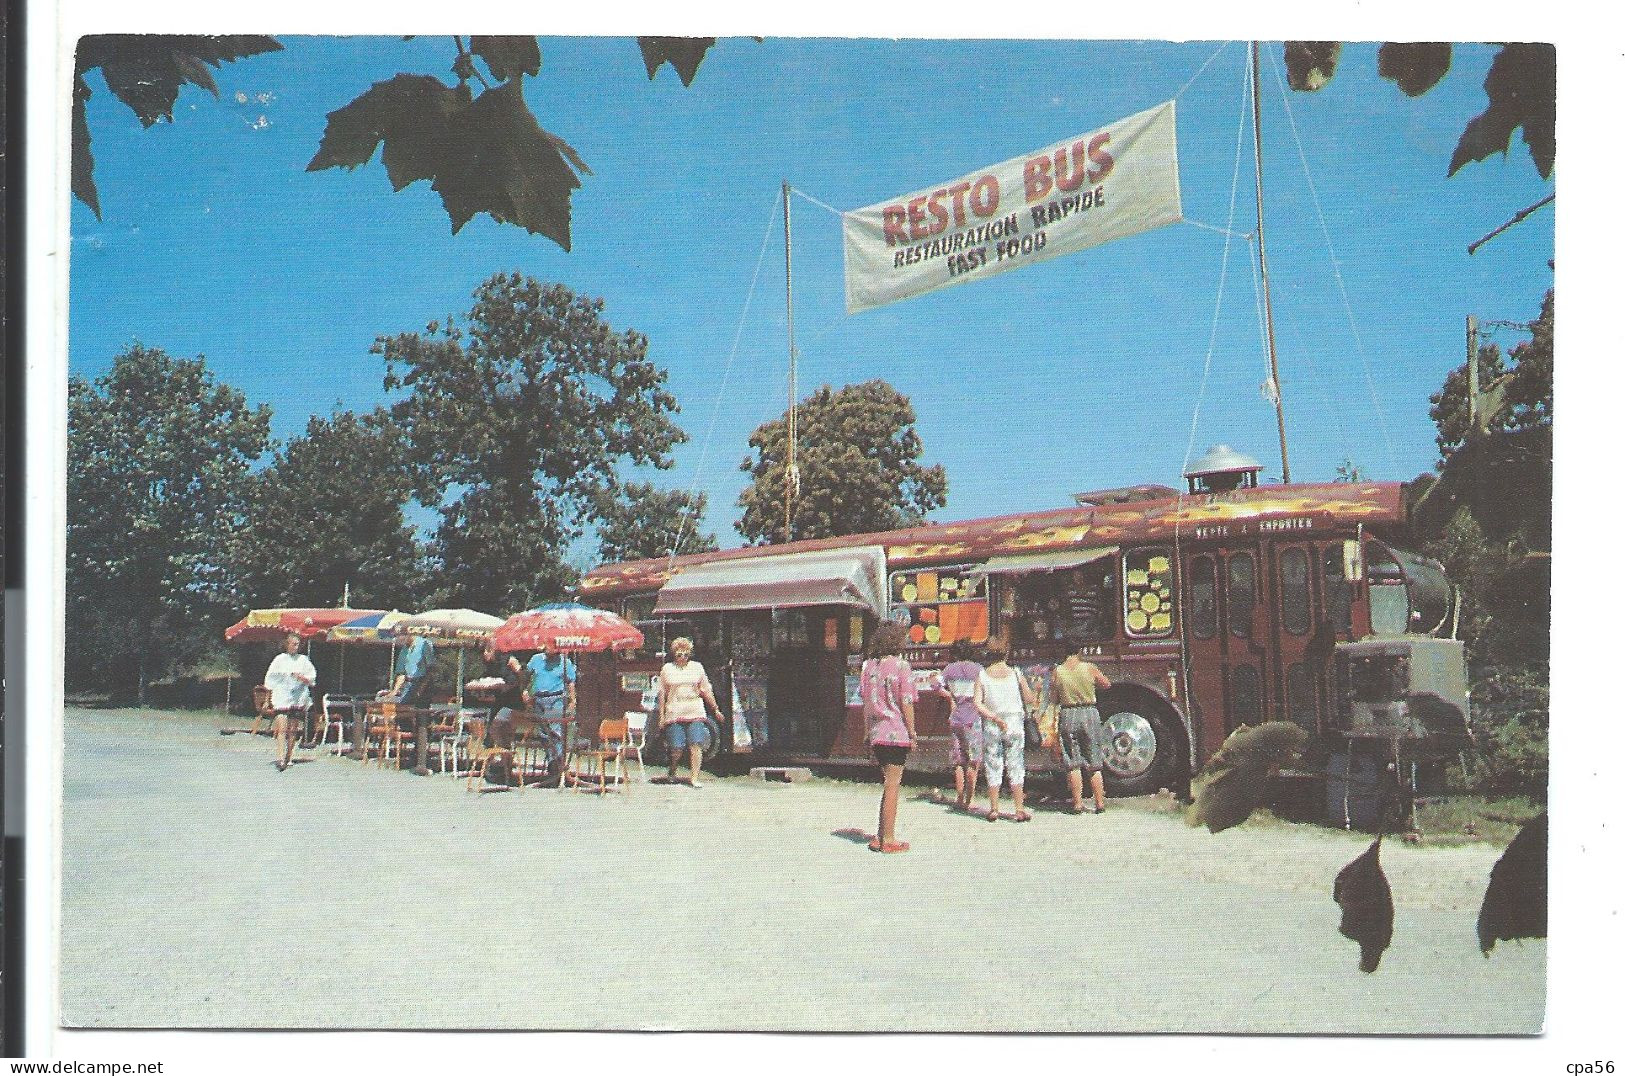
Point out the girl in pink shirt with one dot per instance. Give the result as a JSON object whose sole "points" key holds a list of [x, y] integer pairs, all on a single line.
{"points": [[889, 694]]}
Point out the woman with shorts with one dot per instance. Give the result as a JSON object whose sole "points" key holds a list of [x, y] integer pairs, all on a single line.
{"points": [[1083, 740], [889, 694], [685, 694], [964, 723], [1002, 698]]}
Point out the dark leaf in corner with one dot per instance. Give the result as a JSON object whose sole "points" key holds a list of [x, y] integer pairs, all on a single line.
{"points": [[483, 155], [1522, 88], [1361, 890], [508, 56], [1515, 901], [83, 180], [146, 71], [1414, 66], [1311, 64], [1236, 779], [683, 53]]}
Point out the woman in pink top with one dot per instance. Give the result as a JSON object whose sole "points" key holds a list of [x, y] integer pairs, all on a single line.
{"points": [[685, 695], [888, 706]]}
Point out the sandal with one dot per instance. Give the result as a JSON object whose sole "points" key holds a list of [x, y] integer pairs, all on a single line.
{"points": [[993, 816], [1022, 816], [889, 847]]}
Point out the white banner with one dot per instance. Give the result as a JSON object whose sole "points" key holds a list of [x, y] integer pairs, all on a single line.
{"points": [[1076, 194]]}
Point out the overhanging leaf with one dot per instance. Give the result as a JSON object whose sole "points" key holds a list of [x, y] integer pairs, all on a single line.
{"points": [[1415, 66], [1236, 779], [683, 53], [83, 182], [1515, 900], [1522, 90], [410, 114], [508, 56], [1362, 891], [1311, 64], [146, 71]]}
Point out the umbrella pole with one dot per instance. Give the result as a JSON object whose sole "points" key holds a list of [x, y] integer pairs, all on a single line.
{"points": [[459, 699]]}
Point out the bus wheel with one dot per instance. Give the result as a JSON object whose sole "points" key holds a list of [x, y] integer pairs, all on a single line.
{"points": [[1139, 755]]}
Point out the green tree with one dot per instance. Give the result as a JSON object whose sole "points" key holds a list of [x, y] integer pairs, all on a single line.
{"points": [[643, 522], [520, 419], [158, 463], [482, 153], [328, 514], [857, 453]]}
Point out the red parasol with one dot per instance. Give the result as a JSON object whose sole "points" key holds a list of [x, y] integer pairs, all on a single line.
{"points": [[269, 625], [566, 627]]}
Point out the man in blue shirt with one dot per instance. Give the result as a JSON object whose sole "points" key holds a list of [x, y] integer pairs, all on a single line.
{"points": [[412, 667], [553, 694]]}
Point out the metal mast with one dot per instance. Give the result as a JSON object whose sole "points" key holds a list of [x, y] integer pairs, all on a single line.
{"points": [[1264, 270], [792, 475]]}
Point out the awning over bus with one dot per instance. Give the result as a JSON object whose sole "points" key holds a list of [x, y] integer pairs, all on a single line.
{"points": [[852, 577], [1046, 562]]}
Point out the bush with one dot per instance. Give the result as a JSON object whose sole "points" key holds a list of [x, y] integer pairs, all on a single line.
{"points": [[1511, 716]]}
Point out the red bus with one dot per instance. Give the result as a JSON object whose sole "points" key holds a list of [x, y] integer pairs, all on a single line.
{"points": [[1227, 604]]}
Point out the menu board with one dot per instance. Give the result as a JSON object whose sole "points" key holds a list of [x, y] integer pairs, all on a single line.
{"points": [[1148, 593], [941, 606]]}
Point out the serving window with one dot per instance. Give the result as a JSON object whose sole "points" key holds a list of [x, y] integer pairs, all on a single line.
{"points": [[1069, 604], [941, 606]]}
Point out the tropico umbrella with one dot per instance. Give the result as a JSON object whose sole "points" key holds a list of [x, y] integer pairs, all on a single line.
{"points": [[566, 627]]}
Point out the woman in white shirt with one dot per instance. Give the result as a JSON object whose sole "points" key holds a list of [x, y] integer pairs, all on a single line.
{"points": [[1002, 698], [685, 694], [290, 678]]}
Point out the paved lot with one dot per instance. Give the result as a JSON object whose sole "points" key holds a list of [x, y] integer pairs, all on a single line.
{"points": [[202, 888]]}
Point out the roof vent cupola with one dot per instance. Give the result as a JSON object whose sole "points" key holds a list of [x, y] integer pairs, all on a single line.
{"points": [[1222, 469]]}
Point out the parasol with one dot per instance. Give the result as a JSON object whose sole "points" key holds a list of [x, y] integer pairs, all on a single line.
{"points": [[374, 629], [269, 625], [566, 627], [460, 628]]}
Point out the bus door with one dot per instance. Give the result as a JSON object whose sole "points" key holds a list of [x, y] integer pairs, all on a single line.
{"points": [[1302, 650], [806, 687], [1225, 643]]}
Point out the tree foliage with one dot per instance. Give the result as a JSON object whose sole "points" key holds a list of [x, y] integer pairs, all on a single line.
{"points": [[328, 516], [516, 422], [1487, 516], [641, 522], [1521, 88], [158, 463], [858, 457], [482, 153]]}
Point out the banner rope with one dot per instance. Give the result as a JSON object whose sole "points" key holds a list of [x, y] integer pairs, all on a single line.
{"points": [[1199, 70], [1337, 272], [1248, 236], [821, 205], [722, 385]]}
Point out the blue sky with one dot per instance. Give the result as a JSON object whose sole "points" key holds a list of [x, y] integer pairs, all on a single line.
{"points": [[1077, 373]]}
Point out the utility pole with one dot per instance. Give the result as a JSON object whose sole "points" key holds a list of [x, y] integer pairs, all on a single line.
{"points": [[1264, 269], [1472, 374], [792, 475]]}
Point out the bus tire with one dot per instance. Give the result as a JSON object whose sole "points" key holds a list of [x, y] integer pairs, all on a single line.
{"points": [[1143, 744]]}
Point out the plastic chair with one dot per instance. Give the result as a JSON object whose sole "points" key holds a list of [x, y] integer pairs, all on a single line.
{"points": [[336, 710], [590, 765], [637, 729]]}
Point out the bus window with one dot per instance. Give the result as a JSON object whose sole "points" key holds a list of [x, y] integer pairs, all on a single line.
{"points": [[1294, 568], [1245, 708], [1300, 696], [1240, 596], [1337, 590], [1148, 592], [1204, 599]]}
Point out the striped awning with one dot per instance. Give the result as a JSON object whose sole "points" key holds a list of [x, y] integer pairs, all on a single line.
{"points": [[850, 577]]}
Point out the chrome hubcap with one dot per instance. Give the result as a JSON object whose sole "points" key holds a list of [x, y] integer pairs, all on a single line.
{"points": [[1131, 744]]}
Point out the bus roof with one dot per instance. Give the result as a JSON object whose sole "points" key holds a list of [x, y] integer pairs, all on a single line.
{"points": [[1266, 509]]}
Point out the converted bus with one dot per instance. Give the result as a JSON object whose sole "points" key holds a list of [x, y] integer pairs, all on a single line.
{"points": [[1225, 605]]}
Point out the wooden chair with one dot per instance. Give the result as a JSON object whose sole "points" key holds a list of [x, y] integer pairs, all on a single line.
{"points": [[480, 755], [445, 728], [590, 764], [262, 708], [384, 728]]}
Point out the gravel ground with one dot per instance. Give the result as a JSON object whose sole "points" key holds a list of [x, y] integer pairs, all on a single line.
{"points": [[201, 888]]}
